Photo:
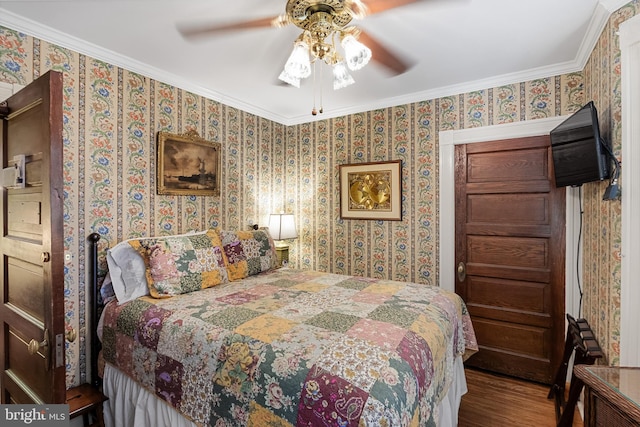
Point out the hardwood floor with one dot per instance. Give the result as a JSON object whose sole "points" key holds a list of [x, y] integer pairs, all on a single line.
{"points": [[501, 401]]}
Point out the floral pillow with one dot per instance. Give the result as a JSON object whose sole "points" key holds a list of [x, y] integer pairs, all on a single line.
{"points": [[248, 252], [180, 264]]}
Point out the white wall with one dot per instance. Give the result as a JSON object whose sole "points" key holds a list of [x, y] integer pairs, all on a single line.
{"points": [[630, 184], [8, 89]]}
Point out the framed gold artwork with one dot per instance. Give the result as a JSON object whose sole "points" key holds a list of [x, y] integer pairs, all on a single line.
{"points": [[371, 191], [188, 165]]}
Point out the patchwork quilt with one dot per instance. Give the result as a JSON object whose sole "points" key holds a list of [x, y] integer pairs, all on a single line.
{"points": [[294, 348]]}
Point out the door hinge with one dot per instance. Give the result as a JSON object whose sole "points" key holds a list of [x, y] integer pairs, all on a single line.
{"points": [[4, 109]]}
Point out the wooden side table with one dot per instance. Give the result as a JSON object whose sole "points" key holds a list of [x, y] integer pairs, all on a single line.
{"points": [[86, 400], [611, 395]]}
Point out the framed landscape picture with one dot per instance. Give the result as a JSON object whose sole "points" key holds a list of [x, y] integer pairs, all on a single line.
{"points": [[188, 165], [371, 191]]}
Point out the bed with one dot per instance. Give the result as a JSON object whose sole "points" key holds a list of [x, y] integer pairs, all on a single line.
{"points": [[203, 329]]}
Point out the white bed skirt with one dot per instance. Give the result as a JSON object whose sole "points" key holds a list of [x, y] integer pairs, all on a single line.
{"points": [[131, 405]]}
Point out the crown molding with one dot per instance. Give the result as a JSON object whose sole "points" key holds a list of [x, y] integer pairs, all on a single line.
{"points": [[43, 32], [452, 90], [598, 22], [613, 5]]}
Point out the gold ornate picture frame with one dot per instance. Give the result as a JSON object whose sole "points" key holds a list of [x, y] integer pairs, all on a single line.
{"points": [[188, 165], [371, 191]]}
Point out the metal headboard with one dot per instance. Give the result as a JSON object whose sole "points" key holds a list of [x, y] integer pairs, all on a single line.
{"points": [[93, 281]]}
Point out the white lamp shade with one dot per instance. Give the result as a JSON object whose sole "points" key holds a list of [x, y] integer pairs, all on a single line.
{"points": [[282, 226], [357, 55], [288, 78], [298, 65], [341, 76]]}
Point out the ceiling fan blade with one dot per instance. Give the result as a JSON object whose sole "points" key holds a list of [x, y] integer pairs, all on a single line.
{"points": [[382, 55], [377, 6], [212, 29]]}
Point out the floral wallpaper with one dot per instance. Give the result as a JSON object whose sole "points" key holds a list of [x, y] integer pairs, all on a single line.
{"points": [[602, 219], [407, 249], [112, 116]]}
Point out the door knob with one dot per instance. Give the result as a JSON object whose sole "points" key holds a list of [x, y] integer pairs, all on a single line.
{"points": [[35, 346], [462, 271], [45, 257], [71, 335]]}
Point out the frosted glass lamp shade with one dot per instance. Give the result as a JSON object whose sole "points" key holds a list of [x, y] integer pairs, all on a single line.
{"points": [[288, 78], [341, 76], [357, 55], [298, 65], [282, 226]]}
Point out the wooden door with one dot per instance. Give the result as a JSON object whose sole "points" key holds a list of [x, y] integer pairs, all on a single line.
{"points": [[31, 248], [510, 251]]}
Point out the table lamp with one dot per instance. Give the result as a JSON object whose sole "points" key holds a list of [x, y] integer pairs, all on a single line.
{"points": [[282, 226]]}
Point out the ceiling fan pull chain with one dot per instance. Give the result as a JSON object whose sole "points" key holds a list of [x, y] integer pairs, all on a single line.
{"points": [[321, 85], [314, 111]]}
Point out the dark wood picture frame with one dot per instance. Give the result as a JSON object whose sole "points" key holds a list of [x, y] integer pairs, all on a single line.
{"points": [[371, 191], [188, 165]]}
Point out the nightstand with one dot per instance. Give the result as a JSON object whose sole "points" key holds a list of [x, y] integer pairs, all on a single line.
{"points": [[86, 400]]}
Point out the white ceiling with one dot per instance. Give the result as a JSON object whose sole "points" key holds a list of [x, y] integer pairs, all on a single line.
{"points": [[455, 46]]}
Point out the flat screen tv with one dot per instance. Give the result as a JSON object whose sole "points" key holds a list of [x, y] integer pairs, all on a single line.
{"points": [[579, 154]]}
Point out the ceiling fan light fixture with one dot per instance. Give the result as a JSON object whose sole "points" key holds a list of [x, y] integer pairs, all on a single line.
{"points": [[357, 9], [325, 26], [357, 55], [289, 79], [341, 76], [298, 65]]}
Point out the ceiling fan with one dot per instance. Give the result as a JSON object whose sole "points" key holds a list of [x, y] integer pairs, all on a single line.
{"points": [[323, 22]]}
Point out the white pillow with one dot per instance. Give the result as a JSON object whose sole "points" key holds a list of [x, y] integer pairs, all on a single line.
{"points": [[128, 271]]}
